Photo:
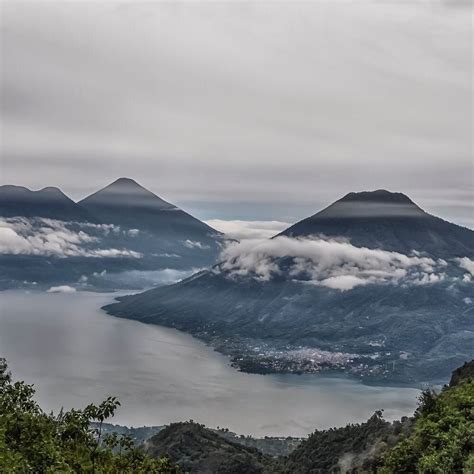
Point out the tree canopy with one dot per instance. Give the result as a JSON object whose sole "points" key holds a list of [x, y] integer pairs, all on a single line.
{"points": [[32, 441]]}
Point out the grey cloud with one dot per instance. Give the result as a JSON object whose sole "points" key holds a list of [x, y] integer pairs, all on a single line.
{"points": [[140, 279], [241, 230], [48, 237], [468, 265], [61, 289], [199, 101], [192, 244], [330, 263]]}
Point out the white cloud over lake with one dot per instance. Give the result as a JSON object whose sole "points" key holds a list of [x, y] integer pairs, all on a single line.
{"points": [[61, 289], [53, 238], [330, 263], [241, 230], [468, 265], [140, 279], [195, 244]]}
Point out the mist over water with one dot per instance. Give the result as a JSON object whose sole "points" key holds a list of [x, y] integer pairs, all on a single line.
{"points": [[76, 354], [140, 279]]}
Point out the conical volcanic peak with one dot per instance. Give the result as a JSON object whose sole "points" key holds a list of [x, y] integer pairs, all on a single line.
{"points": [[126, 203], [126, 192], [389, 221], [378, 196], [372, 204]]}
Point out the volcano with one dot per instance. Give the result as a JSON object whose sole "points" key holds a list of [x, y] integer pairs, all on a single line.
{"points": [[389, 221]]}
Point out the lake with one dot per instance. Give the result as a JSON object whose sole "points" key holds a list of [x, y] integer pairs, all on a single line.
{"points": [[76, 354]]}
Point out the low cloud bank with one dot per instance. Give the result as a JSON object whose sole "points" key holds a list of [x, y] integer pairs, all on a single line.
{"points": [[242, 230], [136, 278], [330, 263], [466, 264], [61, 289], [192, 244], [53, 238]]}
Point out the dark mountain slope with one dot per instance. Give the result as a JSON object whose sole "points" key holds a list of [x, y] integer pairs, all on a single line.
{"points": [[49, 203], [388, 333], [408, 329], [389, 221], [197, 449], [126, 203], [167, 236]]}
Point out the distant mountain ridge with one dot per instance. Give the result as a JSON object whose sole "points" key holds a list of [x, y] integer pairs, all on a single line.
{"points": [[49, 202], [123, 202], [123, 227], [137, 196]]}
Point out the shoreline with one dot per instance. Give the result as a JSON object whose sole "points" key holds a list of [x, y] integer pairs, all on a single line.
{"points": [[232, 357], [181, 376]]}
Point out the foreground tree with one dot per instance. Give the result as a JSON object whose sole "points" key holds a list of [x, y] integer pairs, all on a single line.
{"points": [[34, 441], [442, 440]]}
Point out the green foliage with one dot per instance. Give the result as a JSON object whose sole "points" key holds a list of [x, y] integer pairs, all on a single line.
{"points": [[442, 440], [439, 439], [32, 441], [353, 448], [198, 449]]}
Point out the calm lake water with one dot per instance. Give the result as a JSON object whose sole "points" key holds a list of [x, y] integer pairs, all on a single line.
{"points": [[76, 354]]}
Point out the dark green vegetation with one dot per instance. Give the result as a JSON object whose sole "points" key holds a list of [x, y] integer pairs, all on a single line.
{"points": [[354, 448], [199, 449], [442, 440], [32, 441], [269, 445], [463, 373], [138, 435], [438, 439]]}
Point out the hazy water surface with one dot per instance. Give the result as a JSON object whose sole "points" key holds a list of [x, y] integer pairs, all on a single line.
{"points": [[75, 354]]}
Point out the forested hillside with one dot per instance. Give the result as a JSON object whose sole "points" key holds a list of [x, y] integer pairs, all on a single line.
{"points": [[33, 441], [437, 439]]}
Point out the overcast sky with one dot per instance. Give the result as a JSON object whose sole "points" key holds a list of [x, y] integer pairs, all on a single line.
{"points": [[246, 110]]}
